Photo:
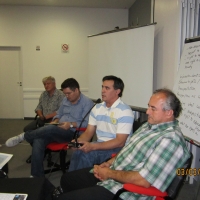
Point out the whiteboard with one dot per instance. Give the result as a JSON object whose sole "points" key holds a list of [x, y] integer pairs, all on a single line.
{"points": [[187, 89], [127, 54]]}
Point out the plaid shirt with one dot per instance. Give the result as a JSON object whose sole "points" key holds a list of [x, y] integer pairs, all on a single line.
{"points": [[155, 151]]}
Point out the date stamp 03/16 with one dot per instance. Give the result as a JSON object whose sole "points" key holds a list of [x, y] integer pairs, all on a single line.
{"points": [[189, 172]]}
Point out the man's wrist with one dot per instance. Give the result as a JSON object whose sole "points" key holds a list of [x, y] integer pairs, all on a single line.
{"points": [[93, 146], [110, 163], [71, 125], [109, 173]]}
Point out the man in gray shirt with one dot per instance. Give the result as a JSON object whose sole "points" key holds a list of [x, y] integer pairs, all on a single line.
{"points": [[49, 103]]}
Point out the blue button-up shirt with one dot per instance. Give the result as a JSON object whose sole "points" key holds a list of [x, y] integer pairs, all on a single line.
{"points": [[69, 112]]}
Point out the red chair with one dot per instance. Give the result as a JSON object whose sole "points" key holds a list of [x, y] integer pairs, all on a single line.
{"points": [[62, 149], [170, 193]]}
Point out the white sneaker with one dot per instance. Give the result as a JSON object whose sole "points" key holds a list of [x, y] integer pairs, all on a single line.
{"points": [[13, 141]]}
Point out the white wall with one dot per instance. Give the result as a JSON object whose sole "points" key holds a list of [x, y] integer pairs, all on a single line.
{"points": [[50, 27], [167, 42]]}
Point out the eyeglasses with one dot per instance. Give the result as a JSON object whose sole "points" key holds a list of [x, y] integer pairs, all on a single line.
{"points": [[68, 93]]}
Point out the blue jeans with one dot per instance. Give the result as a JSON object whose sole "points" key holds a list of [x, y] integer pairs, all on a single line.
{"points": [[39, 139], [80, 160]]}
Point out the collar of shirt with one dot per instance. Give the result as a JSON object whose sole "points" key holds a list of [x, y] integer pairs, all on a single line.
{"points": [[54, 92], [162, 126], [114, 105]]}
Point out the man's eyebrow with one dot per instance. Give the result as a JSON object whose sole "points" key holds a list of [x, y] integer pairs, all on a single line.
{"points": [[151, 106], [105, 86]]}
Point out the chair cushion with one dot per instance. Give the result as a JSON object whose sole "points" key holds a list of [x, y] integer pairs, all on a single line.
{"points": [[151, 191], [54, 146]]}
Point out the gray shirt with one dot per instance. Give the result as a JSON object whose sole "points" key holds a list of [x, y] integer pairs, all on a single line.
{"points": [[49, 104]]}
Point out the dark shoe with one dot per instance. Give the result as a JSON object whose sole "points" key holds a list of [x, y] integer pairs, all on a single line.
{"points": [[57, 192], [29, 159]]}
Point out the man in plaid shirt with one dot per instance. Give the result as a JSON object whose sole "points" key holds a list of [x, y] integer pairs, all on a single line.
{"points": [[150, 158]]}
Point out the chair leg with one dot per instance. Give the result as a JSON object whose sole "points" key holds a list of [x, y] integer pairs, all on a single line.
{"points": [[63, 165], [28, 160], [63, 154], [49, 160]]}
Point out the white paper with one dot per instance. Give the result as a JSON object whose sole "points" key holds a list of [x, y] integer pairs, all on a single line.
{"points": [[4, 158]]}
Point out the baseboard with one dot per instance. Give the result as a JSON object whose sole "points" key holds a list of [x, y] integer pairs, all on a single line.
{"points": [[29, 118]]}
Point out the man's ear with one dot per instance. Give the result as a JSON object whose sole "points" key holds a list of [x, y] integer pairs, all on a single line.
{"points": [[118, 91], [170, 113]]}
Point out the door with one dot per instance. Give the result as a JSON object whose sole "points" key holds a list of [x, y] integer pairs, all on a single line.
{"points": [[10, 84]]}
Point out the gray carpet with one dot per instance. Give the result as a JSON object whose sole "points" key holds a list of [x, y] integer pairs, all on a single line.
{"points": [[19, 168]]}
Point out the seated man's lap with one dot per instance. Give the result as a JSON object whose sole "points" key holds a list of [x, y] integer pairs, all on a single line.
{"points": [[78, 179], [82, 184], [81, 159], [55, 133]]}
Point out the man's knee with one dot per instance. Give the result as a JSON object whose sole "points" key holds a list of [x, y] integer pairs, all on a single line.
{"points": [[77, 153], [77, 179]]}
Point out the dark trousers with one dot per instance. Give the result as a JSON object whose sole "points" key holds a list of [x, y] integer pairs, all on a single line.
{"points": [[81, 184], [36, 124]]}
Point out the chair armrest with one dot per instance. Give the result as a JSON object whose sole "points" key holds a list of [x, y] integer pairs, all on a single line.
{"points": [[81, 129], [151, 191], [35, 116]]}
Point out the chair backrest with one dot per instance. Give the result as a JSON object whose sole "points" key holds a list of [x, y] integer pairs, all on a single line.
{"points": [[177, 182], [137, 123]]}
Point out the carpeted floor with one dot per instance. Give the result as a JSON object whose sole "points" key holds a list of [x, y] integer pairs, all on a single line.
{"points": [[19, 168]]}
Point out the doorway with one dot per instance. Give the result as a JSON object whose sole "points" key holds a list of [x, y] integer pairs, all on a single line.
{"points": [[11, 100]]}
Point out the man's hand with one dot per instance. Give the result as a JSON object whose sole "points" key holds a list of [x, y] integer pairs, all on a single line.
{"points": [[40, 114], [42, 117], [87, 146], [105, 164], [47, 117], [102, 173], [65, 125]]}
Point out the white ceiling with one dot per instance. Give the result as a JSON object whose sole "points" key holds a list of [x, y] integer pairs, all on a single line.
{"points": [[118, 4]]}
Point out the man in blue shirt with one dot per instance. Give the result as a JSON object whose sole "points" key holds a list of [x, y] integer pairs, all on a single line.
{"points": [[69, 116]]}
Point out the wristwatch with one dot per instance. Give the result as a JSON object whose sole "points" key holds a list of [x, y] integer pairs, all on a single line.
{"points": [[71, 125]]}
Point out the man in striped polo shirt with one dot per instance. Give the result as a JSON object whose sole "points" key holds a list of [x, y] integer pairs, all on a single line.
{"points": [[111, 120]]}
